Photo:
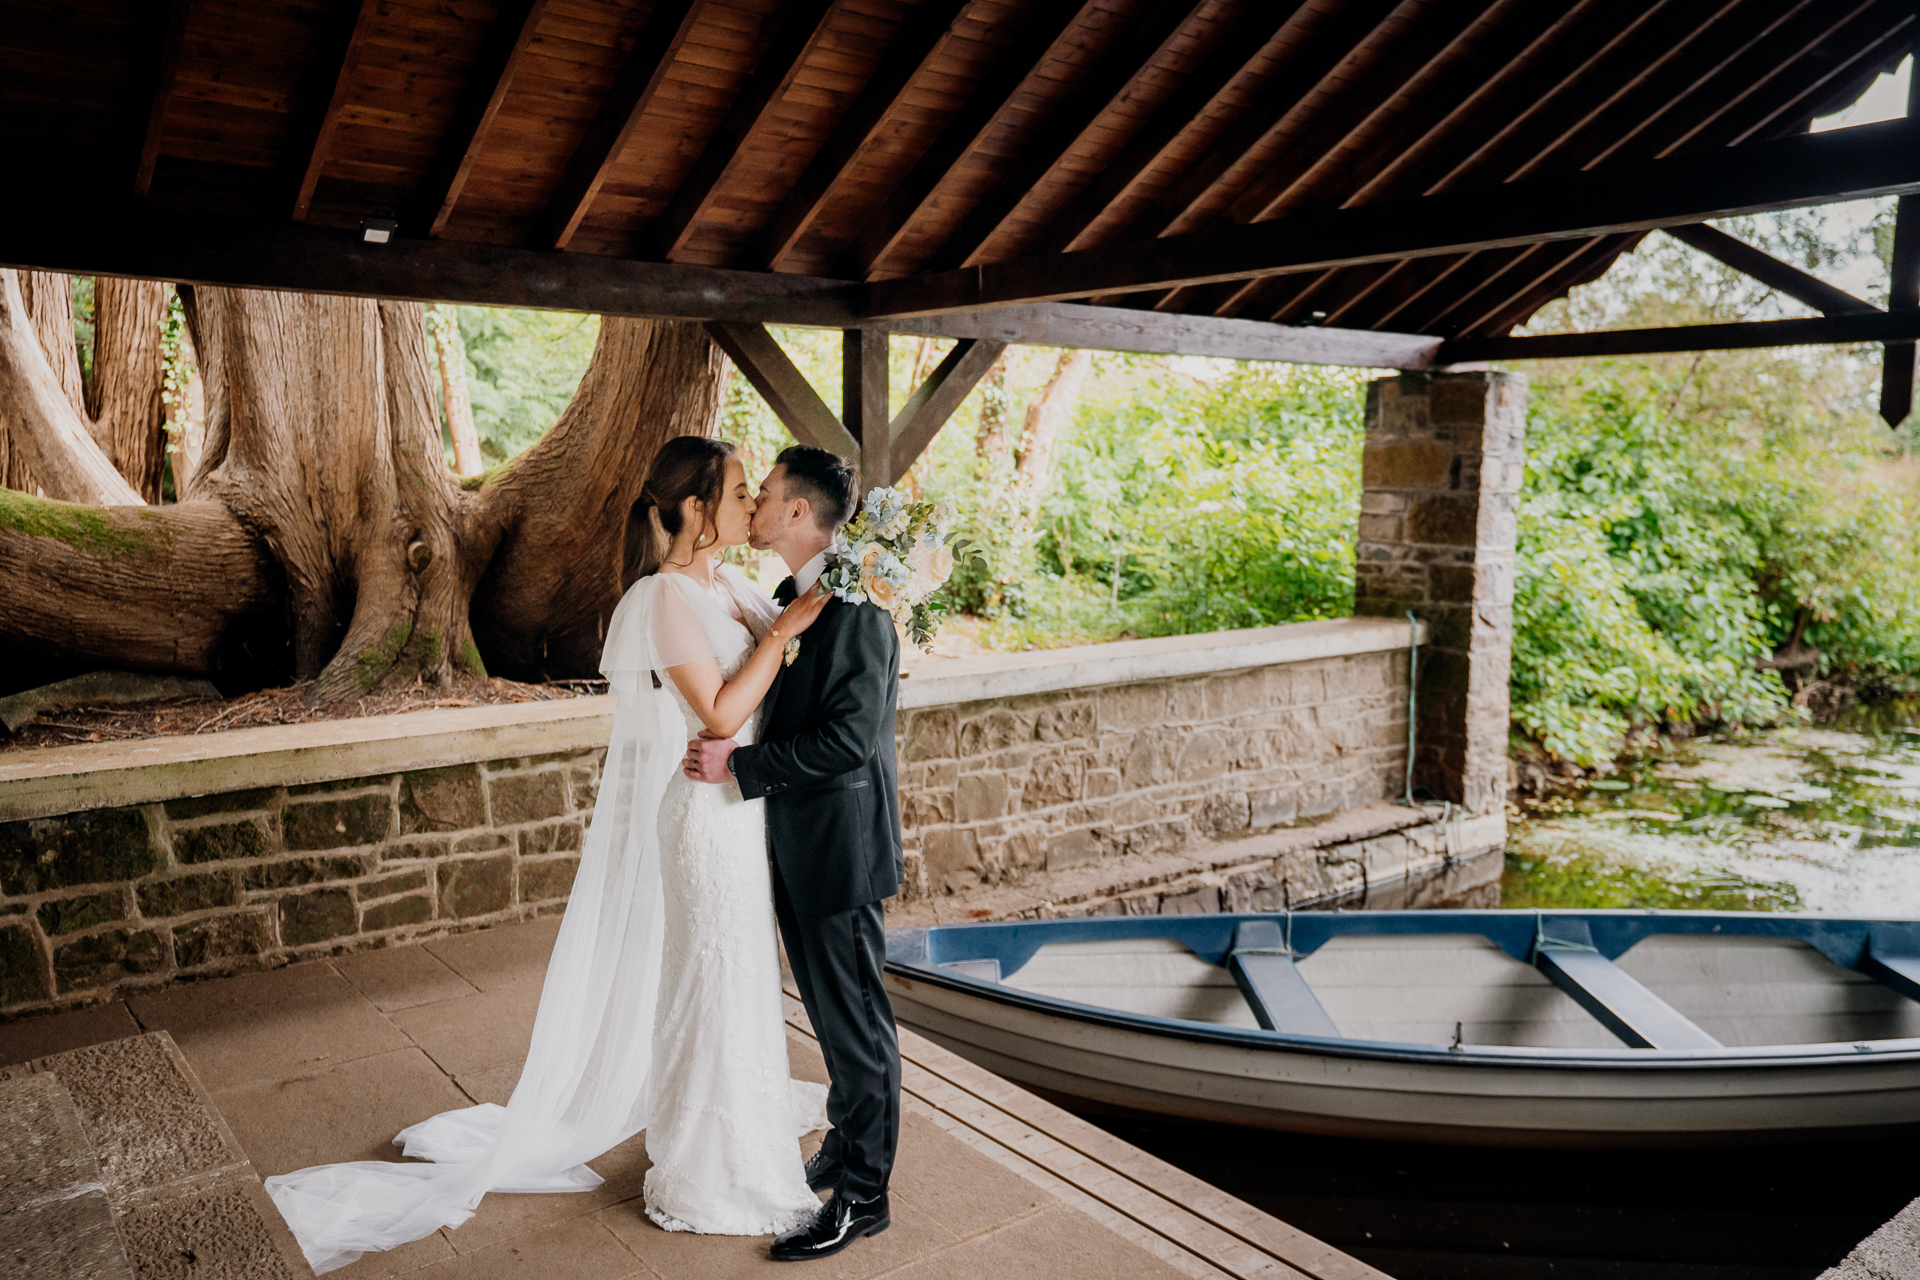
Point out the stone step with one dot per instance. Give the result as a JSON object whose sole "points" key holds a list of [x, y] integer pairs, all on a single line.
{"points": [[161, 1165], [55, 1219]]}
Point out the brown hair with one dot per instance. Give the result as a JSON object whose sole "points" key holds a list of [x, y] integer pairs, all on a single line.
{"points": [[686, 467]]}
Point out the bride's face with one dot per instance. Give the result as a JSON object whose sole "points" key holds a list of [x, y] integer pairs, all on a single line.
{"points": [[731, 521]]}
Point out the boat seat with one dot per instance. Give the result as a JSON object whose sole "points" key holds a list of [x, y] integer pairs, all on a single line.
{"points": [[1890, 968], [1565, 953], [1280, 998]]}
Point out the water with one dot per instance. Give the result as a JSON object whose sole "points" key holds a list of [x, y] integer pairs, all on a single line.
{"points": [[1821, 819]]}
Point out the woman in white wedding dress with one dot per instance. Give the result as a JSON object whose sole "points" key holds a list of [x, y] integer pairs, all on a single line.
{"points": [[661, 1008]]}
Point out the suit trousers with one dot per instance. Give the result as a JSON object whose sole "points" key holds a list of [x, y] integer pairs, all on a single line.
{"points": [[837, 962]]}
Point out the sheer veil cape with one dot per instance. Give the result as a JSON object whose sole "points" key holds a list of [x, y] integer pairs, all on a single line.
{"points": [[584, 1088]]}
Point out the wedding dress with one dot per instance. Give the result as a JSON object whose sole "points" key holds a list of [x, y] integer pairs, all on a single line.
{"points": [[661, 1007]]}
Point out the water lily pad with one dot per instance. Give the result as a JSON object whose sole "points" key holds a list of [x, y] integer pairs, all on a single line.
{"points": [[1728, 787], [1608, 784], [1767, 802]]}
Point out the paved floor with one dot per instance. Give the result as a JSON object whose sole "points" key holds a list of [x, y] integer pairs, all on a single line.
{"points": [[327, 1060]]}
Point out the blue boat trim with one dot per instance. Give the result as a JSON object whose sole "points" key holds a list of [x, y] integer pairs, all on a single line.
{"points": [[1865, 946]]}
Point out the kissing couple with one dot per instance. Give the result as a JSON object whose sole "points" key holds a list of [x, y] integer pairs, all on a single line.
{"points": [[661, 1009]]}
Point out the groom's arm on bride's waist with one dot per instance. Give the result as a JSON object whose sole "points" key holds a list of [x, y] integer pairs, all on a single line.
{"points": [[855, 672]]}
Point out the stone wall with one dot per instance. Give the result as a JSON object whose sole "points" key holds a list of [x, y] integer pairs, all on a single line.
{"points": [[104, 898], [997, 790]]}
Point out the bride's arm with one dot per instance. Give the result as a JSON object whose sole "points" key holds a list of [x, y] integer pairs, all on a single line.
{"points": [[724, 705]]}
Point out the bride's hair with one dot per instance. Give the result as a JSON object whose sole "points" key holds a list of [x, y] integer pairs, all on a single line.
{"points": [[686, 467]]}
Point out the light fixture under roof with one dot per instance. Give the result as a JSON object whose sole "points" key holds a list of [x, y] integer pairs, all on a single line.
{"points": [[379, 227]]}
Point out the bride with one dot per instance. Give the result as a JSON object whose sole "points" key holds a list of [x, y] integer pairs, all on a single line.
{"points": [[661, 1008]]}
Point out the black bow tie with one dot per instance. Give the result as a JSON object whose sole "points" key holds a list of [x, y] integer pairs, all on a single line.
{"points": [[786, 593]]}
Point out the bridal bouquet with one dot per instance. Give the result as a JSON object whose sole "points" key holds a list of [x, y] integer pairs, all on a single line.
{"points": [[895, 554]]}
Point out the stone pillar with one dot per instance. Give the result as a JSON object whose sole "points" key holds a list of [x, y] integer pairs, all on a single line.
{"points": [[1442, 470]]}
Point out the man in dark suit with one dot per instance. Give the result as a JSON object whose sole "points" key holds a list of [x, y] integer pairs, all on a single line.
{"points": [[825, 763]]}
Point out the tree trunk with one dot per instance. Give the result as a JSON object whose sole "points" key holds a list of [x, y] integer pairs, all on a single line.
{"points": [[994, 441], [1051, 410], [451, 352], [42, 421], [186, 420], [123, 401], [324, 537]]}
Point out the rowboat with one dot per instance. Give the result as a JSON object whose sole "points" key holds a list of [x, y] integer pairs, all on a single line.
{"points": [[1517, 1028]]}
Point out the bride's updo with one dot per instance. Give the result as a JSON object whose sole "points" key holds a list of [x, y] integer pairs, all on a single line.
{"points": [[686, 467]]}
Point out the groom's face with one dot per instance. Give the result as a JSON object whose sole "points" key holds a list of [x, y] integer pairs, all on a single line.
{"points": [[770, 517]]}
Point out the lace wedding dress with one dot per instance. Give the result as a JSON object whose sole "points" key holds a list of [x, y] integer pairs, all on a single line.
{"points": [[661, 1007]]}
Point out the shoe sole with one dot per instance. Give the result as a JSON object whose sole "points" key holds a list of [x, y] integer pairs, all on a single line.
{"points": [[873, 1230]]}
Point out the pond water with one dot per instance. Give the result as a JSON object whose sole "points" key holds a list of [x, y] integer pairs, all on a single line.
{"points": [[1823, 819]]}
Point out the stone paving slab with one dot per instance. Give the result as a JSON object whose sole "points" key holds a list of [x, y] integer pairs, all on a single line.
{"points": [[324, 1061], [56, 1222], [1891, 1253]]}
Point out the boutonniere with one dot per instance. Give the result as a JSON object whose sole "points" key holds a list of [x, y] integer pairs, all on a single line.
{"points": [[791, 651]]}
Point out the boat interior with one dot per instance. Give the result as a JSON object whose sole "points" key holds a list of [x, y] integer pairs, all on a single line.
{"points": [[1550, 980]]}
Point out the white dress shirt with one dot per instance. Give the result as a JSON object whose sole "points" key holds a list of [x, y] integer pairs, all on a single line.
{"points": [[809, 574]]}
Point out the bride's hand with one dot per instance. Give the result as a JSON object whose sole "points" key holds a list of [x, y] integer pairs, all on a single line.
{"points": [[799, 615]]}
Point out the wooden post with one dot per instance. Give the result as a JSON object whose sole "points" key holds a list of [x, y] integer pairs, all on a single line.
{"points": [[863, 405]]}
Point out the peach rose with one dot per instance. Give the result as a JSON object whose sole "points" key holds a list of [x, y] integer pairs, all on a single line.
{"points": [[880, 591], [940, 563]]}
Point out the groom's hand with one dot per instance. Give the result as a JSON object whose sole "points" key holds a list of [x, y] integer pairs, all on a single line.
{"points": [[707, 758]]}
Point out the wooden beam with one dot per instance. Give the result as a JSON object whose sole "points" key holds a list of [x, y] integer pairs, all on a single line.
{"points": [[1055, 133], [864, 388], [166, 70], [1279, 997], [1578, 265], [878, 99], [1614, 997], [342, 58], [47, 228], [934, 401], [1065, 324], [1047, 21], [487, 83], [1783, 277], [641, 76], [1846, 164], [794, 36], [1903, 292], [1877, 326], [781, 384]]}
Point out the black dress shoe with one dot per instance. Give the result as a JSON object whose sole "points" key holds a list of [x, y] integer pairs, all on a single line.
{"points": [[823, 1172], [839, 1223]]}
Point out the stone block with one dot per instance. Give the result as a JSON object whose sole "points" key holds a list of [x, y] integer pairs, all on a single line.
{"points": [[1102, 782], [190, 807], [944, 773], [554, 837], [952, 860], [922, 809], [1066, 722], [1406, 464], [316, 916], [980, 796], [245, 933], [1461, 399], [1074, 849], [413, 848], [179, 895], [586, 787], [337, 822], [483, 841], [1253, 891], [99, 846], [475, 886], [403, 882], [1187, 701], [1237, 693], [101, 959], [1154, 758], [71, 915], [1194, 902], [1133, 706], [416, 909], [1445, 521], [1273, 808], [20, 979], [1053, 781], [1222, 815], [995, 731], [528, 797], [452, 799], [932, 735], [224, 841], [1205, 755], [1159, 837], [289, 872], [544, 879]]}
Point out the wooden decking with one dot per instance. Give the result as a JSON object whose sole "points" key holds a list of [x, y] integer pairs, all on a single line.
{"points": [[326, 1060]]}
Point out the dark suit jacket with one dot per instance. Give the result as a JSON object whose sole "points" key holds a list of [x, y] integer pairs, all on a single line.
{"points": [[825, 762]]}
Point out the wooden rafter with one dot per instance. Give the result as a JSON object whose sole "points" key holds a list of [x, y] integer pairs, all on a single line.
{"points": [[166, 69], [780, 383], [1055, 136], [641, 76], [1903, 293], [1814, 79], [876, 103], [794, 35], [1877, 326], [1044, 25], [341, 60], [1869, 160], [508, 40], [1582, 263], [1770, 271], [934, 401]]}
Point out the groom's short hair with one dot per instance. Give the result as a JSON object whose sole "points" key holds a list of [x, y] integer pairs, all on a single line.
{"points": [[822, 479]]}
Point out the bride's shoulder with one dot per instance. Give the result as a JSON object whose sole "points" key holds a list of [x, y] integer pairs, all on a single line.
{"points": [[747, 590]]}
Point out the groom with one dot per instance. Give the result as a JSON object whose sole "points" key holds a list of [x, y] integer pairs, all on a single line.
{"points": [[825, 763]]}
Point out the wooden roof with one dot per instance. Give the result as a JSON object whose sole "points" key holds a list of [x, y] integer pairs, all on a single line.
{"points": [[871, 140]]}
